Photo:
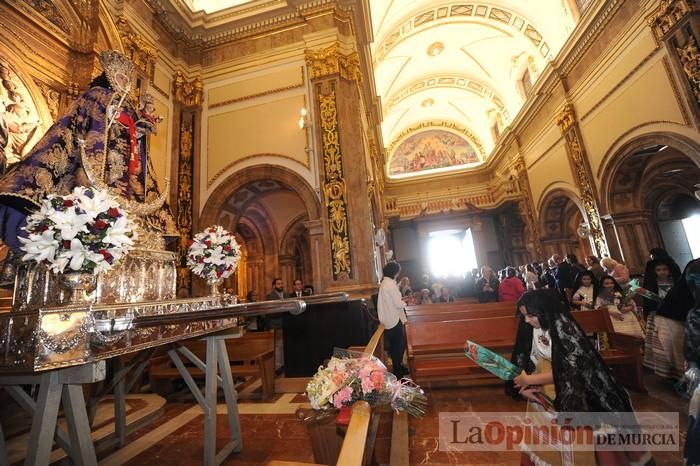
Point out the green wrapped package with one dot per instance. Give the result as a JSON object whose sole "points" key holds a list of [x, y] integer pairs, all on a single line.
{"points": [[492, 362]]}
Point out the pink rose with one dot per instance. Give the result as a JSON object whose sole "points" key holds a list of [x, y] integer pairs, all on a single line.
{"points": [[342, 397]]}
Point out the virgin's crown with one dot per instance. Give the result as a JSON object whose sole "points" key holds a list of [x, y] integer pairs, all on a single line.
{"points": [[114, 63]]}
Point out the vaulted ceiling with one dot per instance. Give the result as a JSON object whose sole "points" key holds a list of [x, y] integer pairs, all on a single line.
{"points": [[460, 66]]}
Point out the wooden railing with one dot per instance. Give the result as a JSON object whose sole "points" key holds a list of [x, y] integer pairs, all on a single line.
{"points": [[358, 444]]}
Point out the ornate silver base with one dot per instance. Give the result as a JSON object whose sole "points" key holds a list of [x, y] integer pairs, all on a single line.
{"points": [[144, 275]]}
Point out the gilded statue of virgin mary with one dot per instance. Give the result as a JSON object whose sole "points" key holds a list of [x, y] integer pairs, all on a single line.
{"points": [[100, 141]]}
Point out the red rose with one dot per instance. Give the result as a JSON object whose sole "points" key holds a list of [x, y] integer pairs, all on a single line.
{"points": [[67, 203], [227, 248], [66, 244], [200, 260], [113, 212], [107, 256], [101, 225], [208, 243]]}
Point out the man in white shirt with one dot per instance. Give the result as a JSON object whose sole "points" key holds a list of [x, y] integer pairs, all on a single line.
{"points": [[391, 311]]}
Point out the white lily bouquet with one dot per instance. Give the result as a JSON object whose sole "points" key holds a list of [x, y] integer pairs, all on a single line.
{"points": [[85, 231], [213, 254]]}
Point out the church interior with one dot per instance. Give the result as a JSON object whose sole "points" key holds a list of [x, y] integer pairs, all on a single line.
{"points": [[492, 150]]}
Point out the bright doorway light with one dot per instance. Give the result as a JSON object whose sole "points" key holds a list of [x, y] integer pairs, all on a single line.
{"points": [[691, 225], [451, 253]]}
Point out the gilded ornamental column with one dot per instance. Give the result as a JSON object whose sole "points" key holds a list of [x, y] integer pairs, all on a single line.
{"points": [[584, 179], [188, 98], [527, 206], [335, 75]]}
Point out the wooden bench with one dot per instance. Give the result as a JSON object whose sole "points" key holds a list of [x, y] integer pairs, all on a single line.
{"points": [[457, 306], [252, 355], [461, 315], [436, 348]]}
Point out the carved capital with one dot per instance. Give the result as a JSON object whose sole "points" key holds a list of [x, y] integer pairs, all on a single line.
{"points": [[668, 14], [188, 93], [566, 119], [139, 50], [689, 57], [331, 61]]}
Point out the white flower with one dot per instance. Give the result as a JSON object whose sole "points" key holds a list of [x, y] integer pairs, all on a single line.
{"points": [[77, 254], [99, 203], [69, 224], [117, 233], [39, 247]]}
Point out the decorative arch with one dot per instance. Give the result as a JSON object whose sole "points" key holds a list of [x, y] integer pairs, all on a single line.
{"points": [[616, 158], [462, 13], [560, 214], [219, 198], [473, 85]]}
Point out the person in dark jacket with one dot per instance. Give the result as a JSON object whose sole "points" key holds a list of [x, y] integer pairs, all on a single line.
{"points": [[650, 283], [487, 286], [691, 277]]}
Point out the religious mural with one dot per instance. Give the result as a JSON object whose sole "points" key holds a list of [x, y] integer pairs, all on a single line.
{"points": [[429, 150], [19, 118]]}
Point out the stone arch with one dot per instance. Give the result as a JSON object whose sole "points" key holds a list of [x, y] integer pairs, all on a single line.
{"points": [[638, 179], [295, 251], [560, 214], [218, 199]]}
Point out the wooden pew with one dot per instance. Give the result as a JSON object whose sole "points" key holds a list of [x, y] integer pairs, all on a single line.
{"points": [[457, 306], [436, 348], [251, 355], [462, 315]]}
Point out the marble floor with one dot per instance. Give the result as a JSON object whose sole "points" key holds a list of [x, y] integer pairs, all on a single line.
{"points": [[271, 431]]}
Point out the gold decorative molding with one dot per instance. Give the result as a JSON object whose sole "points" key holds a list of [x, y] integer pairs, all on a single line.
{"points": [[584, 180], [334, 188], [259, 94], [680, 100], [188, 93], [331, 61], [566, 118], [526, 204], [473, 138], [668, 14], [139, 50]]}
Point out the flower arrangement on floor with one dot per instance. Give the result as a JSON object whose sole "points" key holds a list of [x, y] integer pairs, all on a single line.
{"points": [[343, 381], [213, 254], [85, 231]]}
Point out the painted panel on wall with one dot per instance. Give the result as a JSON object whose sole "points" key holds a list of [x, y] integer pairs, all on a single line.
{"points": [[649, 98], [285, 79], [265, 129], [159, 149], [19, 118], [431, 151], [161, 81]]}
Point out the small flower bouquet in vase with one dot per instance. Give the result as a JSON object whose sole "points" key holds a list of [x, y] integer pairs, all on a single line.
{"points": [[78, 236], [213, 255], [353, 376]]}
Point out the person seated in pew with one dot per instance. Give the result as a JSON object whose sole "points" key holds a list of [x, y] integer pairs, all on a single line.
{"points": [[487, 285], [425, 296], [445, 296], [391, 311], [559, 361], [511, 288], [622, 309], [585, 288], [298, 290]]}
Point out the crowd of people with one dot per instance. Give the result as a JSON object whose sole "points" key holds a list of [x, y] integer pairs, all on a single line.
{"points": [[557, 358]]}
